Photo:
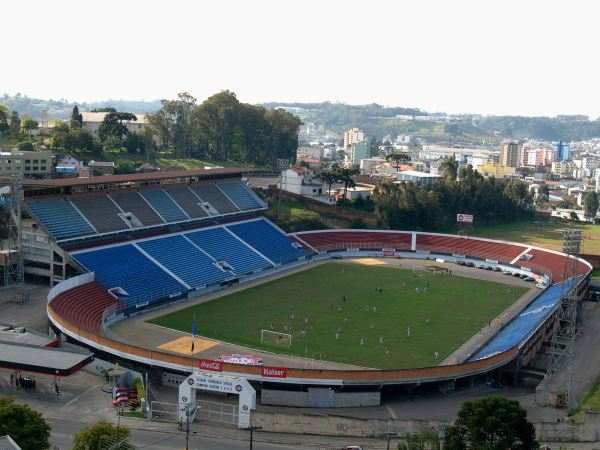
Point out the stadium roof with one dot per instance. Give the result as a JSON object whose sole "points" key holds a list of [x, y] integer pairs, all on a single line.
{"points": [[42, 359], [135, 177]]}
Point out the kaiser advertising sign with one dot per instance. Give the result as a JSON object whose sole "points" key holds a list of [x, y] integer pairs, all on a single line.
{"points": [[274, 372]]}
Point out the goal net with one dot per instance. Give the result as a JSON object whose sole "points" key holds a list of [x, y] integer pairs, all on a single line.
{"points": [[274, 337]]}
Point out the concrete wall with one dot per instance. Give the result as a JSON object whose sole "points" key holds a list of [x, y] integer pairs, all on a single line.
{"points": [[340, 426], [330, 425], [588, 431], [301, 399]]}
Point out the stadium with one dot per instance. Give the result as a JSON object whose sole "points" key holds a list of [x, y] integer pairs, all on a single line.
{"points": [[127, 255]]}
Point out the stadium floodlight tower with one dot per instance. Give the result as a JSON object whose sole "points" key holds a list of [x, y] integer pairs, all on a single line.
{"points": [[12, 251], [558, 388]]}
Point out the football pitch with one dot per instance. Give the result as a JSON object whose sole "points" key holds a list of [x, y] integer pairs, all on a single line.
{"points": [[445, 312]]}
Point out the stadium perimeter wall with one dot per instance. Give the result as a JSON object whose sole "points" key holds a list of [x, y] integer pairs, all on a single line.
{"points": [[337, 425]]}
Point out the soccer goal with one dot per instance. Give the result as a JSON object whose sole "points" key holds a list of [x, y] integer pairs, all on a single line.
{"points": [[274, 337]]}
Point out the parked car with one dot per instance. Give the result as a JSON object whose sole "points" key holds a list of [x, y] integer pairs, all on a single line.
{"points": [[497, 269]]}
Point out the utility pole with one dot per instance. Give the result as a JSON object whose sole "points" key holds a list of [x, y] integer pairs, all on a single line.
{"points": [[388, 436], [251, 429]]}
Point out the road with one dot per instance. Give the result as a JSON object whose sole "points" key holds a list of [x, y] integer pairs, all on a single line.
{"points": [[63, 430]]}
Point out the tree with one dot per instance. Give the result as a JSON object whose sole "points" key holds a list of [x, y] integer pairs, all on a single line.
{"points": [[102, 435], [27, 427], [76, 118], [425, 440], [398, 158], [492, 423], [344, 175], [135, 144], [3, 119], [25, 146], [449, 167], [112, 125], [15, 123], [590, 205], [328, 177], [28, 124]]}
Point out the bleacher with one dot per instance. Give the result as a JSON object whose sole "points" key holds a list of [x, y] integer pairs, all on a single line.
{"points": [[546, 261], [338, 240], [268, 240], [210, 193], [184, 260], [187, 200], [60, 218], [522, 325], [150, 268], [502, 252], [164, 205], [126, 267], [241, 196], [101, 212], [224, 246], [86, 215], [84, 306], [132, 202]]}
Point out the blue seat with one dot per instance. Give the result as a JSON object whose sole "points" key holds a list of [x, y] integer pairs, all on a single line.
{"points": [[268, 240], [223, 246], [126, 267], [520, 327], [164, 206], [185, 260], [240, 195], [60, 218]]}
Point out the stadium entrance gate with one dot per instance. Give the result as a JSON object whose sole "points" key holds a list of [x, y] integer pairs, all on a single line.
{"points": [[216, 382]]}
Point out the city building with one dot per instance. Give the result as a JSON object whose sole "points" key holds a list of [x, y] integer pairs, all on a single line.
{"points": [[563, 168], [354, 135], [494, 169], [509, 154], [313, 152], [368, 165], [27, 164], [417, 177], [301, 181], [353, 193], [91, 122], [563, 150], [358, 152], [102, 167]]}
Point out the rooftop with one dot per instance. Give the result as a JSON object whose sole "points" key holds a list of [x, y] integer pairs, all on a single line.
{"points": [[136, 177]]}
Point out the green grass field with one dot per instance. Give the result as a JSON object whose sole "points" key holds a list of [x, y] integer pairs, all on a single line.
{"points": [[542, 233], [457, 308]]}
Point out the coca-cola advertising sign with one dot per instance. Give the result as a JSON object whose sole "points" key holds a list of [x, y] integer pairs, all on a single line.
{"points": [[209, 364], [274, 372]]}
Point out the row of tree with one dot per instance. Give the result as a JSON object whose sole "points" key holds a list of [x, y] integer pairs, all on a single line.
{"points": [[412, 206], [11, 124], [223, 129]]}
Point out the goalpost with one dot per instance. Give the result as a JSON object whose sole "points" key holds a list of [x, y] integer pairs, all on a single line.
{"points": [[274, 337]]}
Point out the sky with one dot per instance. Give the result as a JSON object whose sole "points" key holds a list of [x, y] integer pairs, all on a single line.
{"points": [[524, 57]]}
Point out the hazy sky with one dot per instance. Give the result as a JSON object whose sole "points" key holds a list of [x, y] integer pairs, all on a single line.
{"points": [[483, 56]]}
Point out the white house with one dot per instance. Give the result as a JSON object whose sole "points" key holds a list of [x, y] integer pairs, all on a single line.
{"points": [[301, 181]]}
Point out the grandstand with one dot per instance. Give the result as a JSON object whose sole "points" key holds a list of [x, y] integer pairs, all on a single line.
{"points": [[148, 270], [75, 213]]}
